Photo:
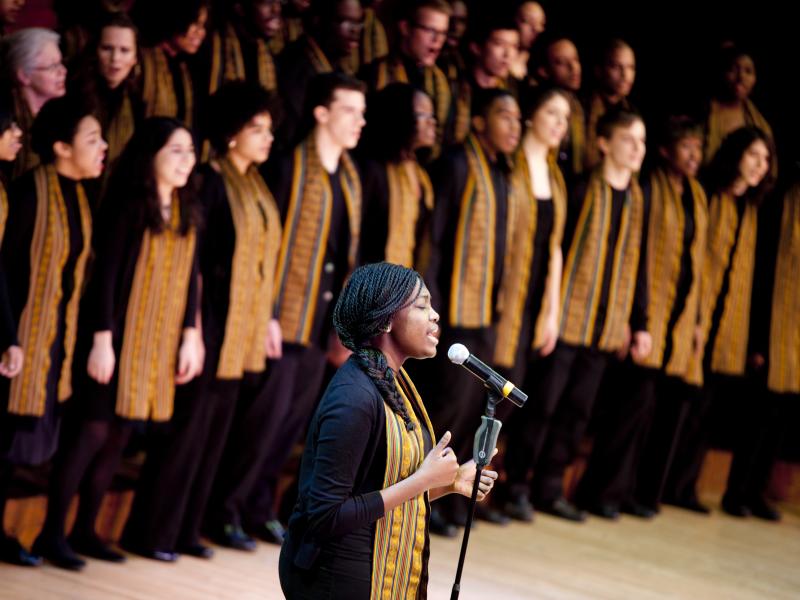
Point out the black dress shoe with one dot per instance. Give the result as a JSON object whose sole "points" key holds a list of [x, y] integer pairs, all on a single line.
{"points": [[692, 504], [635, 509], [198, 550], [159, 555], [759, 508], [12, 552], [519, 509], [438, 525], [233, 536], [92, 547], [58, 553], [491, 515], [604, 511], [271, 532], [734, 507], [563, 509]]}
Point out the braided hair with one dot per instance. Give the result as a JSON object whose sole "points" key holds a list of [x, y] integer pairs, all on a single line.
{"points": [[365, 308]]}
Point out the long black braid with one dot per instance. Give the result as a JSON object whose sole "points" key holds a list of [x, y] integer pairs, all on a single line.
{"points": [[372, 296]]}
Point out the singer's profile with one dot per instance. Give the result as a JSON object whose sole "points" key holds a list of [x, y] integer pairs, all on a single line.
{"points": [[371, 464]]}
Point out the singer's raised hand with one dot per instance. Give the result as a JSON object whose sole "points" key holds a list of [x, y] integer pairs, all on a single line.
{"points": [[465, 479], [440, 466]]}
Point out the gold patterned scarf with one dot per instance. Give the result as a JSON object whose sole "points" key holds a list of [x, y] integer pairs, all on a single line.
{"points": [[729, 352], [3, 211], [227, 61], [38, 326], [154, 322], [158, 88], [305, 238], [406, 191], [715, 131], [664, 258], [584, 268], [514, 288], [784, 341], [472, 280], [400, 536], [291, 30], [372, 46], [257, 223]]}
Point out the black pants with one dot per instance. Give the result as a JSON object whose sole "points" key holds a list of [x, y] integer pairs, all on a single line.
{"points": [[570, 388], [323, 580], [759, 426], [292, 390], [182, 461], [674, 399], [621, 424]]}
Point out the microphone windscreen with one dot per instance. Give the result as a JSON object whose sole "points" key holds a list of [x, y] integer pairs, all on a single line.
{"points": [[458, 353]]}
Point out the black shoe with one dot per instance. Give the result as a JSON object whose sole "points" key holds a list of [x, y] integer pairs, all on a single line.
{"points": [[734, 507], [604, 511], [519, 509], [692, 504], [635, 509], [160, 555], [440, 526], [92, 547], [759, 508], [12, 552], [562, 508], [58, 553], [271, 532], [233, 536], [491, 515], [198, 550]]}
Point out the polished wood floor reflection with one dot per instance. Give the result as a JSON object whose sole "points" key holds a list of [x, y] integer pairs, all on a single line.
{"points": [[676, 555]]}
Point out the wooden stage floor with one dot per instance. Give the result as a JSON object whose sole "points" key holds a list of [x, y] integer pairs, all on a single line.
{"points": [[676, 555]]}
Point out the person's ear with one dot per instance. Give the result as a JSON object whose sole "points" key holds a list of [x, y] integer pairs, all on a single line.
{"points": [[62, 150]]}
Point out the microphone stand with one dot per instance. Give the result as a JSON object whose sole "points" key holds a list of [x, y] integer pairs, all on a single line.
{"points": [[485, 442]]}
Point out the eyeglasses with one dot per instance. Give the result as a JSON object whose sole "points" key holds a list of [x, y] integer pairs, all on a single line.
{"points": [[431, 32], [52, 68], [351, 25]]}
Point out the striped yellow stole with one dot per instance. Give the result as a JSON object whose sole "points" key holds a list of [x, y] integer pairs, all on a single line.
{"points": [[257, 223], [516, 278], [227, 61], [317, 57], [158, 87], [472, 279], [291, 30], [154, 322], [784, 341], [729, 352], [584, 268], [397, 560], [405, 194], [373, 44], [597, 108], [715, 131], [120, 129], [50, 248], [26, 157], [664, 258], [577, 135], [391, 70], [3, 211], [305, 237]]}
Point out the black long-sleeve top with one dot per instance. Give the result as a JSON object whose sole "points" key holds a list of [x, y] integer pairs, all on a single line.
{"points": [[16, 249], [638, 317], [375, 213], [449, 178], [278, 176]]}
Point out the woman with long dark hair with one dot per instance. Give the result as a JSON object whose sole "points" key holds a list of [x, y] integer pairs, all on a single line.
{"points": [[371, 464], [137, 339], [738, 179]]}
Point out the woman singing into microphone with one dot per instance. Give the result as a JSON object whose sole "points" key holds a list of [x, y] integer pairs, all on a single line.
{"points": [[371, 465]]}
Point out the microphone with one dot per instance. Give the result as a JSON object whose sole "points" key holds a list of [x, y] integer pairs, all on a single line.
{"points": [[459, 355]]}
